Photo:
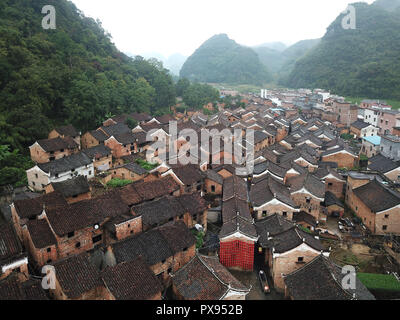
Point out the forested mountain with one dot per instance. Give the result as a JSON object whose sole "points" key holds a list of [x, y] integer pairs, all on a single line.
{"points": [[356, 62], [73, 74], [282, 62], [222, 60]]}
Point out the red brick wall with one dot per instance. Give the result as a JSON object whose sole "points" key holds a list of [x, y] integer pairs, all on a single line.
{"points": [[237, 254]]}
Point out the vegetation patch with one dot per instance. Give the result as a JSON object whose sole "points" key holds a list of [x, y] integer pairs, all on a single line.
{"points": [[379, 281], [146, 165], [118, 183]]}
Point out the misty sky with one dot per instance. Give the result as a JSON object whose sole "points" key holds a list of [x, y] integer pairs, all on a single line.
{"points": [[171, 26]]}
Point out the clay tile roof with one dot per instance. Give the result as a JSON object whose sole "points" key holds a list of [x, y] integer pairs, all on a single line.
{"points": [[204, 278], [159, 211], [134, 167], [76, 275], [214, 176], [271, 226], [359, 124], [293, 238], [331, 199], [68, 130], [234, 187], [41, 234], [156, 188], [65, 164], [56, 144], [99, 135], [11, 288], [304, 217], [72, 187], [9, 244], [83, 214], [188, 174], [321, 279], [151, 245], [235, 207], [193, 203], [126, 137], [238, 224], [33, 207], [267, 189], [132, 280], [376, 197], [129, 195], [116, 129], [311, 183], [97, 152], [382, 164], [177, 236]]}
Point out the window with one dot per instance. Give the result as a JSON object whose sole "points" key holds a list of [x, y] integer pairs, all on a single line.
{"points": [[71, 234], [212, 188], [384, 228], [284, 214], [48, 249], [386, 216], [330, 184], [308, 200], [97, 238], [264, 213], [78, 245], [300, 259]]}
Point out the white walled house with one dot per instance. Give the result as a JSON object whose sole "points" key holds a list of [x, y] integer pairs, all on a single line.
{"points": [[60, 170]]}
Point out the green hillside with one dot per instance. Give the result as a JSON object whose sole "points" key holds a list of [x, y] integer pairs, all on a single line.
{"points": [[222, 60], [73, 74], [363, 62]]}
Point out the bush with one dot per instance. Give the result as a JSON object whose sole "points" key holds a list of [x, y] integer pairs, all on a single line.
{"points": [[118, 183]]}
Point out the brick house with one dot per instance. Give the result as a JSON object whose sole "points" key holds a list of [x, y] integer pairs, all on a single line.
{"points": [[43, 151], [165, 249], [132, 280], [66, 131], [385, 166], [102, 157], [76, 228], [78, 279], [93, 138], [12, 288], [188, 176], [213, 183], [204, 278], [130, 171], [334, 182], [333, 204], [288, 251], [320, 279], [270, 196], [340, 155], [378, 207], [60, 170], [73, 190], [238, 234], [390, 147], [308, 193], [370, 146], [346, 113], [361, 129], [387, 120], [191, 209]]}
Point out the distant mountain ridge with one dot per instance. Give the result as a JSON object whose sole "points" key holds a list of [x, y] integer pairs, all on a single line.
{"points": [[222, 60]]}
